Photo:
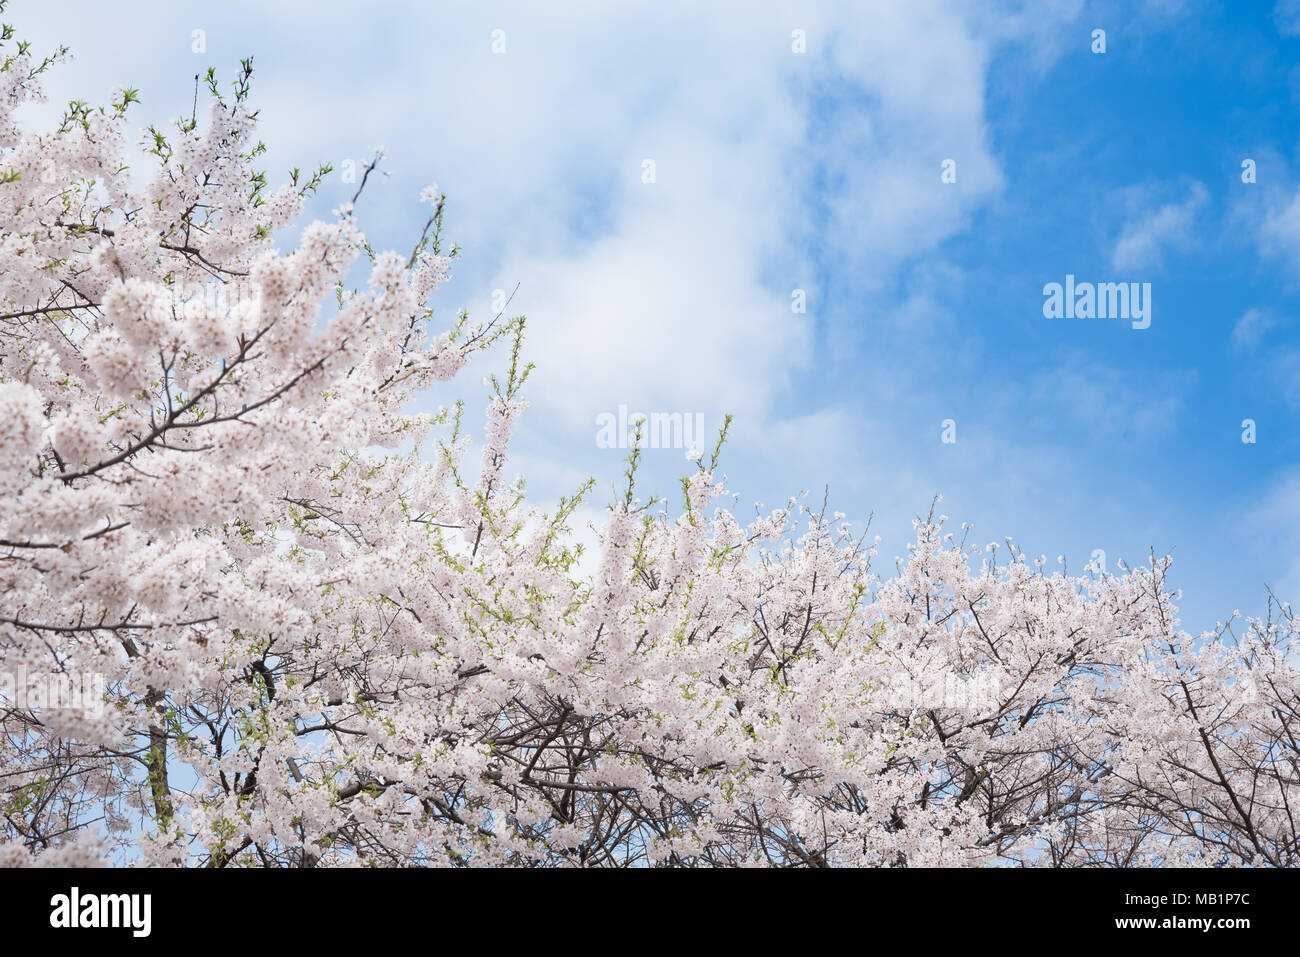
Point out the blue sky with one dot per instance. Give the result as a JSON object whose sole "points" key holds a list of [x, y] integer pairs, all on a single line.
{"points": [[820, 171]]}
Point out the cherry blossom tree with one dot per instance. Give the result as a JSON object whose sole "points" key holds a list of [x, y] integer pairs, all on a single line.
{"points": [[330, 636]]}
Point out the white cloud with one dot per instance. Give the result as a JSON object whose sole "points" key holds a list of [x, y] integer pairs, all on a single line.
{"points": [[1250, 328], [1279, 229], [681, 298], [1145, 237], [671, 296], [1286, 16], [1109, 403], [1274, 524]]}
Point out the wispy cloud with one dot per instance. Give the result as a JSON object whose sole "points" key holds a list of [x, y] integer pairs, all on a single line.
{"points": [[1145, 237], [1251, 327], [1286, 16], [1274, 524], [1110, 403]]}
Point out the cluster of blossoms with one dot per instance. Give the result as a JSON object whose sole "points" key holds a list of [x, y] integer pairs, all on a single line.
{"points": [[319, 656]]}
